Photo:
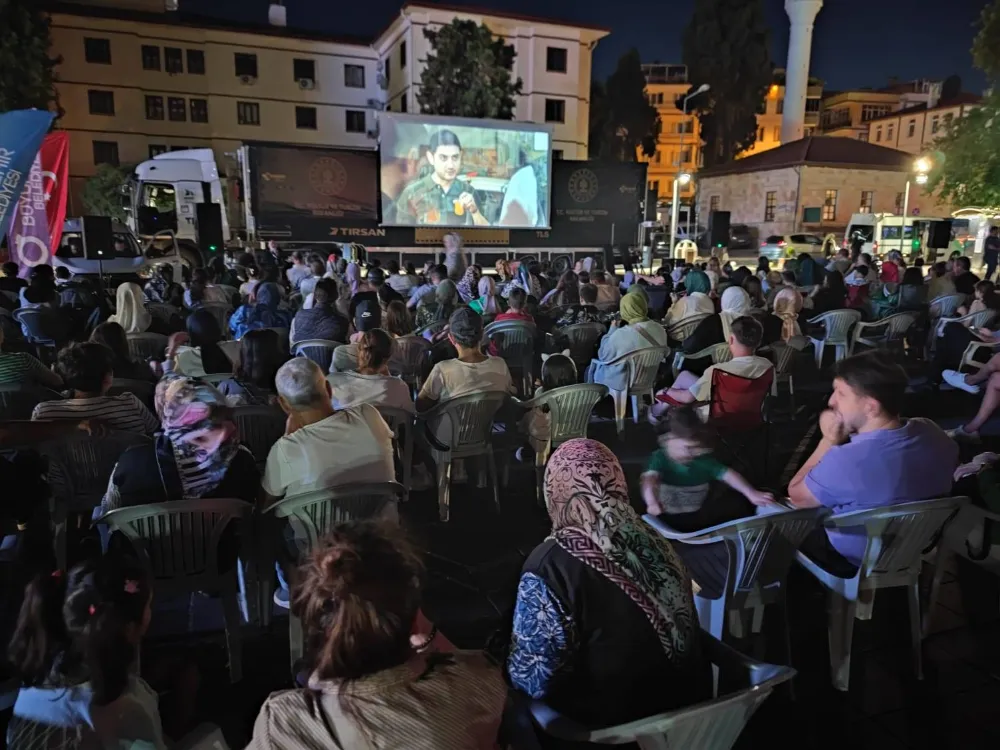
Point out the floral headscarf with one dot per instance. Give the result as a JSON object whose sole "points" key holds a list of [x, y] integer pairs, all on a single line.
{"points": [[353, 277], [469, 284], [787, 305], [488, 296], [198, 424], [587, 500]]}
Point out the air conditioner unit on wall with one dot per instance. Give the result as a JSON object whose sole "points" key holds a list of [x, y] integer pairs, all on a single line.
{"points": [[307, 84], [248, 80]]}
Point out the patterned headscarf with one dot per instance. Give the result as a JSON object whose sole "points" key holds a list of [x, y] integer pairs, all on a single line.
{"points": [[587, 500], [488, 295], [469, 284], [353, 277], [787, 305], [198, 423]]}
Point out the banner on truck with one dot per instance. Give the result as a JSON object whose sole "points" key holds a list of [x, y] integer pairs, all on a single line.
{"points": [[21, 135], [37, 227]]}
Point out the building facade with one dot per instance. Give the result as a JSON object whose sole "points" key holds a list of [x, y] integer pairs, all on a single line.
{"points": [[915, 129], [846, 114]]}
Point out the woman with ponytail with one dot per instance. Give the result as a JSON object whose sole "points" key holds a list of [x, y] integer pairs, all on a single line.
{"points": [[75, 648]]}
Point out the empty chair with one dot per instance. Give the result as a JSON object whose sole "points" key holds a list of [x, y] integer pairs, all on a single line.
{"points": [[259, 428], [643, 366], [462, 427], [888, 332], [515, 343], [43, 328], [179, 543], [837, 333], [402, 425], [18, 401], [896, 536], [717, 353], [319, 351], [146, 346], [409, 359], [582, 340]]}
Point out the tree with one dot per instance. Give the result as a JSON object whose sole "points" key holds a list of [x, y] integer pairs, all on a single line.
{"points": [[469, 73], [726, 46], [102, 195], [951, 87], [623, 123], [966, 161], [27, 75]]}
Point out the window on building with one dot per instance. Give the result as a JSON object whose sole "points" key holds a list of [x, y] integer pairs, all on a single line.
{"points": [[808, 131], [770, 203], [354, 121], [935, 124], [555, 59], [890, 130], [555, 110], [101, 102], [305, 118], [829, 206], [246, 64], [154, 107], [402, 55], [199, 110], [106, 152], [173, 59], [196, 62], [777, 132], [97, 50], [685, 156], [557, 154], [654, 187], [177, 109], [713, 202], [863, 136], [686, 126], [150, 57], [155, 149], [813, 105], [948, 118], [354, 76], [760, 134], [911, 128], [874, 111], [303, 69], [248, 113], [899, 203], [878, 134], [867, 201]]}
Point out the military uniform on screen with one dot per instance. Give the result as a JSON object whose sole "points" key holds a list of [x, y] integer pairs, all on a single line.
{"points": [[425, 202]]}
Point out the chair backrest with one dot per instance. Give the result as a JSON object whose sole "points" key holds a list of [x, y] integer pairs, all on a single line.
{"points": [[465, 423], [409, 355], [982, 319], [946, 305], [214, 378], [643, 366], [681, 330], [312, 514], [319, 351], [784, 354], [431, 328], [898, 324], [345, 358], [570, 408], [144, 346], [282, 336], [737, 402], [259, 428], [178, 541], [607, 307], [41, 324], [581, 340], [162, 311], [143, 390], [221, 312], [838, 324], [18, 401], [515, 342], [80, 466]]}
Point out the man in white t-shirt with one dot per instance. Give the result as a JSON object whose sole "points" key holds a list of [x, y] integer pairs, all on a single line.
{"points": [[471, 372]]}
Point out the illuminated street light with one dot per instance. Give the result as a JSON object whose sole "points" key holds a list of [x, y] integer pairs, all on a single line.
{"points": [[921, 179], [684, 178], [921, 165]]}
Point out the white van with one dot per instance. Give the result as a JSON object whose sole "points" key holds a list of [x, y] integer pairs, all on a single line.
{"points": [[882, 233]]}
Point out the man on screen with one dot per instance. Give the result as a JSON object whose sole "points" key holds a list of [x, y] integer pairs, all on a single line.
{"points": [[441, 197]]}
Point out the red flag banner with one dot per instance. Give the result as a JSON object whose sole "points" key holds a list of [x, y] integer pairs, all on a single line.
{"points": [[41, 210]]}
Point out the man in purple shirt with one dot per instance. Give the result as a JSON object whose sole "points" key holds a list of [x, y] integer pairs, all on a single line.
{"points": [[869, 457]]}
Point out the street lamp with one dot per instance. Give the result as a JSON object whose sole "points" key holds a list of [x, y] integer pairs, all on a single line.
{"points": [[679, 179], [921, 166]]}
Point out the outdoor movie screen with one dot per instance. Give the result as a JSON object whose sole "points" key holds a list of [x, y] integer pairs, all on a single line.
{"points": [[457, 172]]}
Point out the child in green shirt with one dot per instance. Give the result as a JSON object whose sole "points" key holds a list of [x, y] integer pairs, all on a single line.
{"points": [[678, 477]]}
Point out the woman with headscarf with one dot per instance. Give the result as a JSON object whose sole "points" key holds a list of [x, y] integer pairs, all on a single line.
{"points": [[196, 352], [633, 332], [694, 302], [468, 286], [787, 308], [444, 304], [197, 454], [262, 311], [715, 329], [604, 608], [809, 272], [565, 292], [130, 310], [488, 302]]}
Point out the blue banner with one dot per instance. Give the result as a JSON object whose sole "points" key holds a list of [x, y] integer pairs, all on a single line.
{"points": [[21, 135]]}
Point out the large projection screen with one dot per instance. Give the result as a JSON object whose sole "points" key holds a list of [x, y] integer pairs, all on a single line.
{"points": [[458, 172]]}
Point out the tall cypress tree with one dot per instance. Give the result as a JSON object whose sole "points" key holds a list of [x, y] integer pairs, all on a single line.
{"points": [[623, 124], [27, 71], [726, 46]]}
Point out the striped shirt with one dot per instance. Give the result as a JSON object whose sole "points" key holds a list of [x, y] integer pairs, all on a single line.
{"points": [[21, 367], [125, 413]]}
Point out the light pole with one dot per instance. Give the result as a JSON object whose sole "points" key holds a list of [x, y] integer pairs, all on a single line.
{"points": [[675, 204], [921, 166]]}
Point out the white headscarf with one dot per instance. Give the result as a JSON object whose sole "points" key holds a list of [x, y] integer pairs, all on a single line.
{"points": [[735, 304], [131, 314]]}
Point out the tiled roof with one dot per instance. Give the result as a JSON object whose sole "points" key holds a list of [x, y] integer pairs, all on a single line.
{"points": [[817, 151]]}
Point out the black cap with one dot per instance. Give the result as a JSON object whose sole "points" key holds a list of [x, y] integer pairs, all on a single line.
{"points": [[466, 326]]}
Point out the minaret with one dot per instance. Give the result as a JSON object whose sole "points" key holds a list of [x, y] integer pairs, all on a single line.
{"points": [[802, 14]]}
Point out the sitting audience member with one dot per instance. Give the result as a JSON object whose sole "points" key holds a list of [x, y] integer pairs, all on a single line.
{"points": [[76, 294], [10, 281], [402, 283], [75, 650], [869, 457], [203, 291], [317, 269], [558, 370], [784, 279], [892, 268], [783, 324], [965, 280], [840, 262], [87, 370], [941, 282], [752, 286], [197, 454], [580, 642], [261, 354], [608, 292], [397, 321], [468, 285], [441, 308], [695, 301], [831, 295], [583, 310], [810, 272], [371, 383], [21, 368], [299, 271], [516, 301], [322, 447], [715, 328], [471, 372], [633, 332], [384, 293], [912, 290], [41, 289], [196, 352], [426, 291], [161, 288], [988, 377], [566, 292], [352, 277], [380, 677], [113, 337], [984, 297], [130, 309], [322, 320], [744, 337], [261, 312], [488, 303]]}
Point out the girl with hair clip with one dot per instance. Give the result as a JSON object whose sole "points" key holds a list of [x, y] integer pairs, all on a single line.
{"points": [[75, 649]]}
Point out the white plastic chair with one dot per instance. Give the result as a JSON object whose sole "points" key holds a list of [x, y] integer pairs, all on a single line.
{"points": [[581, 340], [895, 538], [643, 366], [982, 319], [515, 343], [968, 356], [401, 422], [784, 354], [146, 346], [319, 351], [838, 328], [718, 353], [945, 305], [681, 330], [259, 428], [882, 333], [409, 358]]}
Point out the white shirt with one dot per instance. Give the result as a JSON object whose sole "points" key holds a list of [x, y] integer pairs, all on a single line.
{"points": [[353, 389], [349, 446], [747, 367], [452, 378]]}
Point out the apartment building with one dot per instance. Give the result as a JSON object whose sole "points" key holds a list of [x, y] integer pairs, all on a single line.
{"points": [[846, 114], [553, 62], [915, 129], [769, 121]]}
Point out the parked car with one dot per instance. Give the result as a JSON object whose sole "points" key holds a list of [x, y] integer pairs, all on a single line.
{"points": [[781, 246], [741, 237], [125, 257]]}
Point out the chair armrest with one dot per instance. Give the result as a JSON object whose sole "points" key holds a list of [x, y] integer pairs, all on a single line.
{"points": [[703, 536], [818, 319]]}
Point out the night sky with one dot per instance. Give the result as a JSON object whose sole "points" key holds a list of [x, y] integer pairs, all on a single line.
{"points": [[857, 43]]}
